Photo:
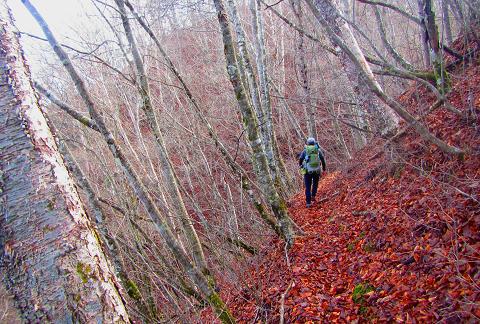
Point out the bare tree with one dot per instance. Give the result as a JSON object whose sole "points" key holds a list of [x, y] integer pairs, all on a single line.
{"points": [[250, 121], [383, 118], [203, 284], [54, 263]]}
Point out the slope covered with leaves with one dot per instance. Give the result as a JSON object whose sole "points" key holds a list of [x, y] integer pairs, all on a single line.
{"points": [[395, 236]]}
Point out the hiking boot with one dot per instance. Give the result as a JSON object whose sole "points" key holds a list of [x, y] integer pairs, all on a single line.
{"points": [[309, 205]]}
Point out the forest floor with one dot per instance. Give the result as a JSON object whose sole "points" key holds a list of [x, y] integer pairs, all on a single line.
{"points": [[394, 237]]}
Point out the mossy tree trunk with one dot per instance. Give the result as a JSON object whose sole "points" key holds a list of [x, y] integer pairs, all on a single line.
{"points": [[250, 121], [198, 278], [383, 119], [54, 264], [282, 175], [247, 184], [249, 78]]}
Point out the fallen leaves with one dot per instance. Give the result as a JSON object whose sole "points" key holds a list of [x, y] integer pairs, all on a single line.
{"points": [[409, 237]]}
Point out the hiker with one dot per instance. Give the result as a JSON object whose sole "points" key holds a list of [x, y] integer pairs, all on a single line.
{"points": [[309, 162]]}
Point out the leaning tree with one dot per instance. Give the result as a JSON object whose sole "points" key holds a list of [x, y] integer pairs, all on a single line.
{"points": [[50, 254]]}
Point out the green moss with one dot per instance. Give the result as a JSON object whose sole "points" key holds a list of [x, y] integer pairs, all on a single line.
{"points": [[397, 171], [132, 290], [442, 77], [426, 75], [363, 310], [369, 247], [85, 272], [48, 228], [220, 308], [51, 204], [360, 290], [210, 279], [85, 121], [350, 247]]}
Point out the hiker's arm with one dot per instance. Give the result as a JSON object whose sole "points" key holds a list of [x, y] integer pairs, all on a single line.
{"points": [[322, 158], [301, 158]]}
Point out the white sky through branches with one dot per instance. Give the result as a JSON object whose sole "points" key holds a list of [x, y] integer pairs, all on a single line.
{"points": [[69, 21]]}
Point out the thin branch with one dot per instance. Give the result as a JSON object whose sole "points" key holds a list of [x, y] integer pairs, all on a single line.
{"points": [[394, 8], [67, 108], [100, 60], [276, 3], [298, 29]]}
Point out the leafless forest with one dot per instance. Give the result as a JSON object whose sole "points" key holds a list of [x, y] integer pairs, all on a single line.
{"points": [[180, 122]]}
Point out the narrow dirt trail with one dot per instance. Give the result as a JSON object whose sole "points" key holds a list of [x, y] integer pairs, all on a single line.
{"points": [[395, 237]]}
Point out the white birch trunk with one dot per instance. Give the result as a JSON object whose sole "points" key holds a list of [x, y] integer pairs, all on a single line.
{"points": [[250, 121], [54, 264], [383, 118], [195, 275], [302, 67]]}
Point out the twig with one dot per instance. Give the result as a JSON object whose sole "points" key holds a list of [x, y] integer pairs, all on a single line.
{"points": [[91, 53], [286, 255], [282, 303], [329, 197], [272, 5]]}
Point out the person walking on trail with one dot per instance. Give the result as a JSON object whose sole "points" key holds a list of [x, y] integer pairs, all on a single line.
{"points": [[309, 162]]}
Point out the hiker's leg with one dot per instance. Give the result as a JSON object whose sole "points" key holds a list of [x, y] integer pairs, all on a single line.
{"points": [[308, 187], [315, 178]]}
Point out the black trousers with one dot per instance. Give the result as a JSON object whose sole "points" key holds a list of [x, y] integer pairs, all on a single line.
{"points": [[311, 185]]}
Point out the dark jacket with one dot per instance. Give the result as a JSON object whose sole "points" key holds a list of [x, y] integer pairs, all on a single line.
{"points": [[320, 156]]}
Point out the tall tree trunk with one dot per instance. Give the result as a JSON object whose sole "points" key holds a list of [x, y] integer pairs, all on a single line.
{"points": [[247, 74], [54, 264], [167, 167], [424, 34], [302, 66], [196, 276], [447, 26], [441, 76], [281, 175], [250, 121], [383, 118]]}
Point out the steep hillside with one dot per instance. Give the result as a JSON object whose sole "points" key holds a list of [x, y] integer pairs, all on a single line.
{"points": [[395, 236]]}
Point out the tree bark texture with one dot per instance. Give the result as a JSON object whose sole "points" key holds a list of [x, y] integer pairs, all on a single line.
{"points": [[424, 33], [195, 275], [281, 175], [250, 121], [447, 26], [436, 55], [302, 67], [167, 167], [383, 118], [51, 254]]}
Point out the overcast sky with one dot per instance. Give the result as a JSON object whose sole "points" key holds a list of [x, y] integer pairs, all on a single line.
{"points": [[61, 15], [66, 18]]}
